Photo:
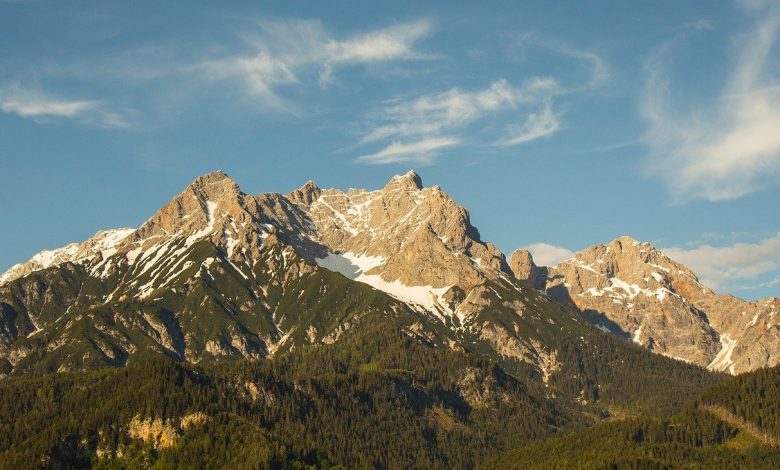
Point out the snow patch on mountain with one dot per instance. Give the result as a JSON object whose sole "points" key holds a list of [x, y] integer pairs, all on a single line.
{"points": [[355, 267]]}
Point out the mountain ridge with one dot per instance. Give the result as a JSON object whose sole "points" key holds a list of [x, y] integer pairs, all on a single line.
{"points": [[413, 243]]}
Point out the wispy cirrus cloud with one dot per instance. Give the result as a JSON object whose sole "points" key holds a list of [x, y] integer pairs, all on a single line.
{"points": [[422, 151], [732, 148], [415, 123], [732, 266], [42, 107], [540, 124], [284, 53], [597, 69]]}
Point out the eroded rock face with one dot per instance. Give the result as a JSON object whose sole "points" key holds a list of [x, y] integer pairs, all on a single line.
{"points": [[421, 236], [633, 290], [523, 267]]}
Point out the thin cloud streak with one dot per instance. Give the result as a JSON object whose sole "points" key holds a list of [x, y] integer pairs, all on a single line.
{"points": [[599, 70], [40, 107], [455, 110], [421, 152], [536, 126]]}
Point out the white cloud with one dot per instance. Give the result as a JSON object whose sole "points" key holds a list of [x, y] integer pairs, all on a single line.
{"points": [[427, 117], [42, 107], [730, 148], [545, 254], [38, 107], [536, 126], [284, 51], [722, 267], [422, 151], [392, 43]]}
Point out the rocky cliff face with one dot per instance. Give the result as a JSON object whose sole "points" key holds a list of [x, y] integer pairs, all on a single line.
{"points": [[217, 272], [633, 290]]}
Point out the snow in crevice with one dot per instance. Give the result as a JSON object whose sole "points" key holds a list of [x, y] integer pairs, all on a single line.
{"points": [[722, 361], [103, 243], [657, 266], [212, 208], [344, 222], [581, 264]]}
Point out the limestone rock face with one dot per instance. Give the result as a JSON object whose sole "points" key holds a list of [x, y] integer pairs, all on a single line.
{"points": [[633, 290], [523, 267], [412, 241], [422, 236], [220, 272]]}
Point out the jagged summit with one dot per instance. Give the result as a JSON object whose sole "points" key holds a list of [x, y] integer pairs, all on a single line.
{"points": [[522, 265], [306, 194], [100, 245], [410, 180]]}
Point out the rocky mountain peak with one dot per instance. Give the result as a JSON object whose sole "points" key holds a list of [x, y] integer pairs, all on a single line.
{"points": [[409, 181], [306, 194], [214, 185], [198, 207]]}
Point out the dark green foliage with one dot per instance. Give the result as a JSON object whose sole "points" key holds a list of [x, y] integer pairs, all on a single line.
{"points": [[389, 402], [753, 397], [374, 399], [693, 438]]}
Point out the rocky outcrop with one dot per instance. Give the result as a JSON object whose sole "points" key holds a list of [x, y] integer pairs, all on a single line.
{"points": [[523, 267], [160, 433], [418, 236]]}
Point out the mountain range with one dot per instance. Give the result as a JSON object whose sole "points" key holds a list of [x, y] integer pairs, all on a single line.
{"points": [[217, 272]]}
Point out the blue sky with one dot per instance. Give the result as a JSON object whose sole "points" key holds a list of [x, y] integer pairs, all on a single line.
{"points": [[557, 124]]}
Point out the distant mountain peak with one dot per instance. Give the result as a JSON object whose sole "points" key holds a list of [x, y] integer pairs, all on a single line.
{"points": [[633, 289]]}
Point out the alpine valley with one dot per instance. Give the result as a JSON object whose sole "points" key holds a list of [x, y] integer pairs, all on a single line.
{"points": [[372, 329]]}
